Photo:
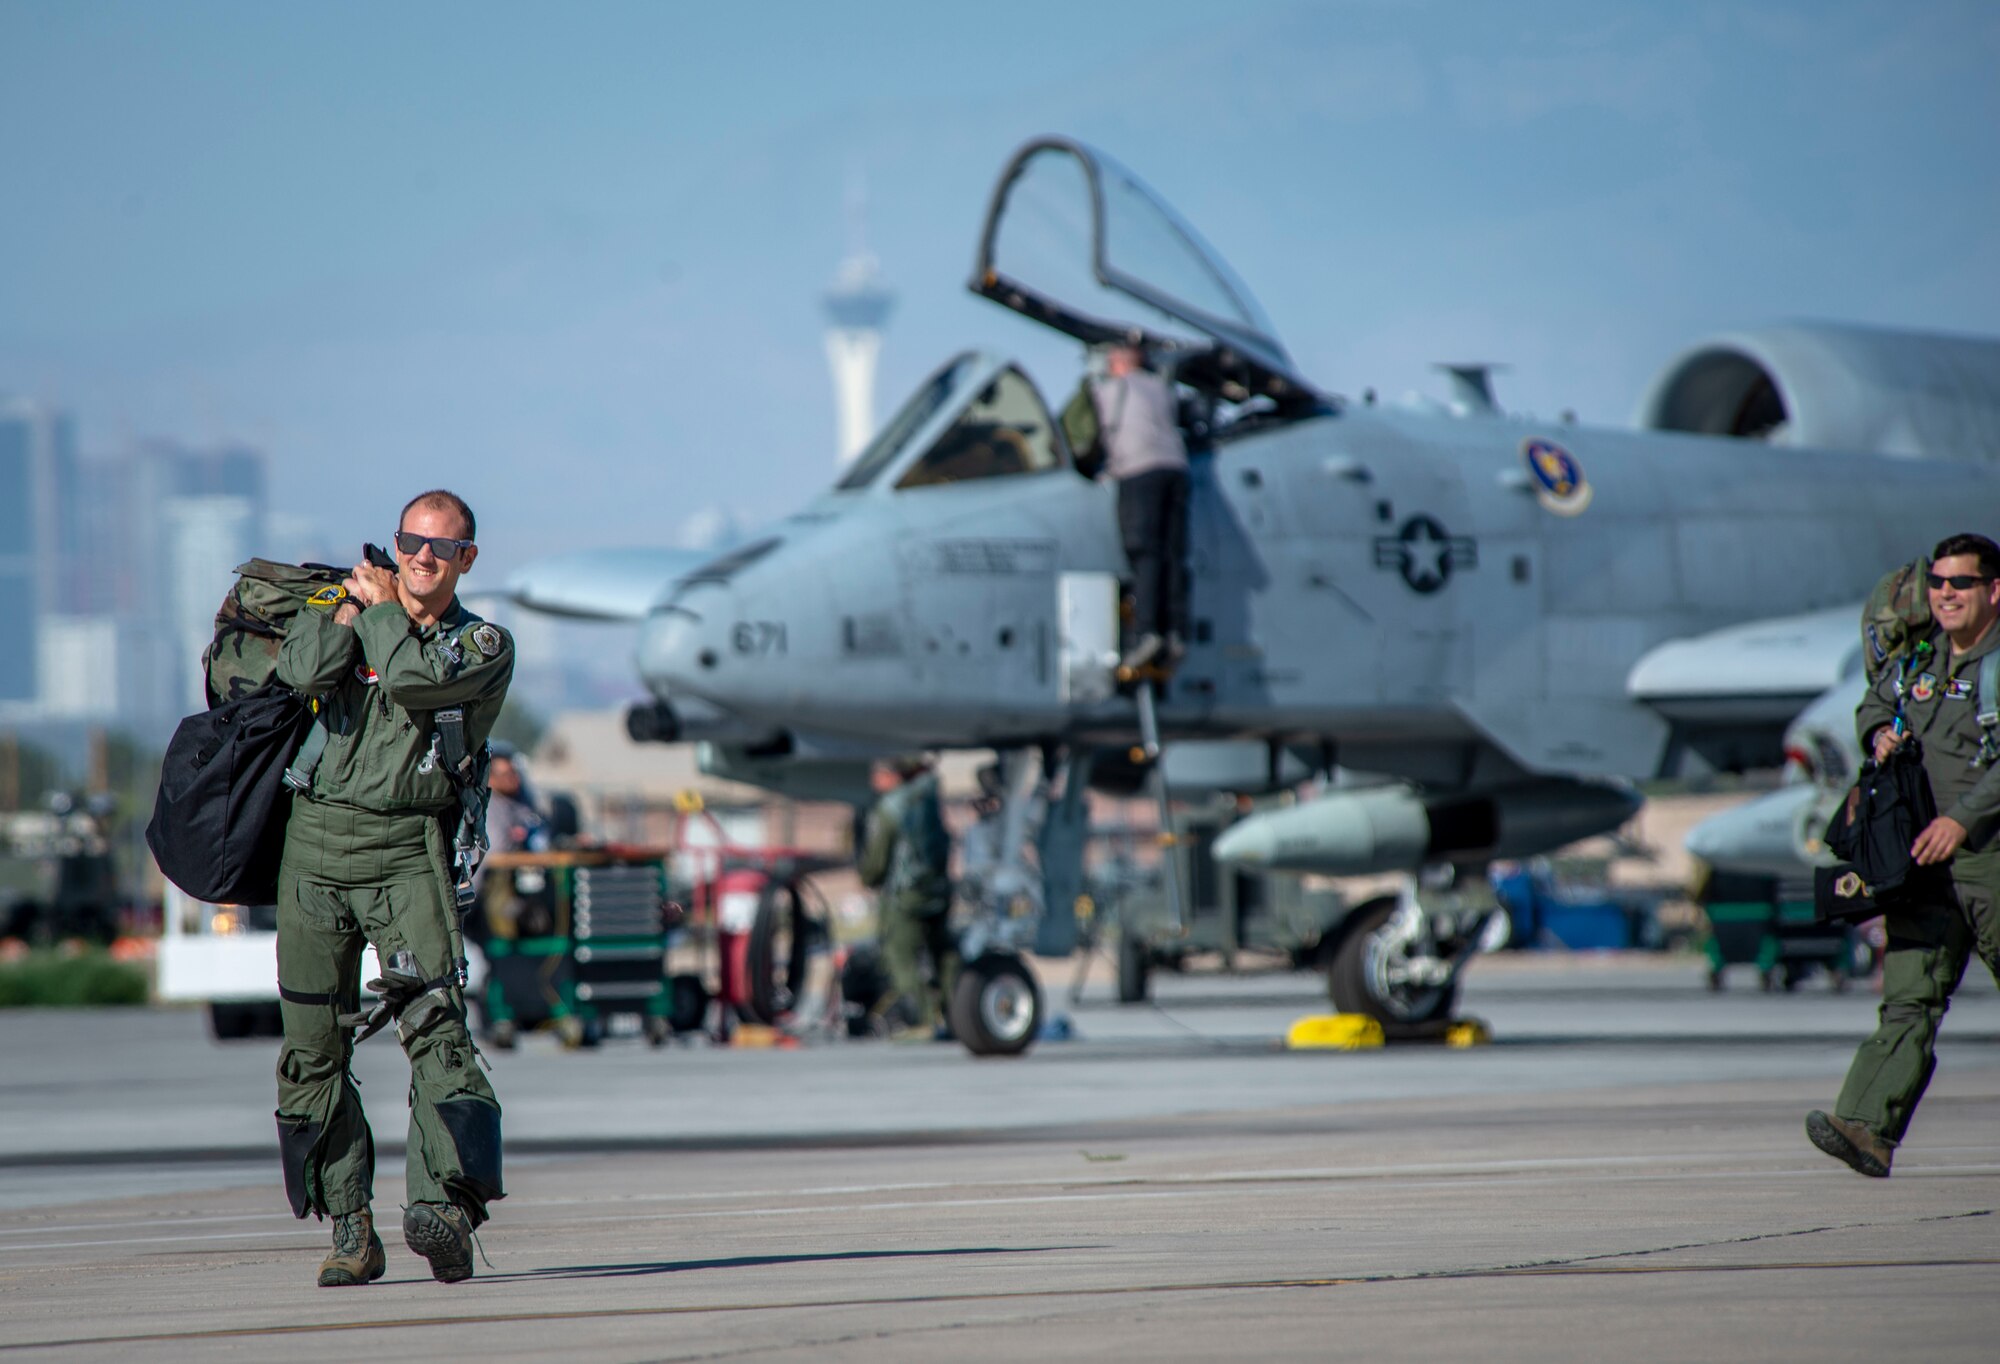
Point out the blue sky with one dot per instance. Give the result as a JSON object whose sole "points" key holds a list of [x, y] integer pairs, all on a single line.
{"points": [[567, 258]]}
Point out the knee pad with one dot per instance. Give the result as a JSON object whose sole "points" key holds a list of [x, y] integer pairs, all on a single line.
{"points": [[474, 1128], [298, 1140]]}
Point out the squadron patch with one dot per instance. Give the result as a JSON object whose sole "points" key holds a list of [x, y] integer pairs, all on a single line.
{"points": [[1559, 482], [365, 675], [1924, 688], [486, 639]]}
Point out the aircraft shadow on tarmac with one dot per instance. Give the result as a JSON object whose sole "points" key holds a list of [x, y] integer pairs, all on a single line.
{"points": [[642, 1268]]}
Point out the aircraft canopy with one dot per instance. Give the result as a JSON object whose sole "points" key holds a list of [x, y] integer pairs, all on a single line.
{"points": [[1079, 243]]}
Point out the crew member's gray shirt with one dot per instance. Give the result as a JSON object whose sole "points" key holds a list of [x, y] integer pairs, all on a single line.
{"points": [[1135, 420]]}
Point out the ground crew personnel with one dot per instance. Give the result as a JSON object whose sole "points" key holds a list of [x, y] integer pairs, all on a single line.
{"points": [[907, 852], [396, 668], [1936, 694]]}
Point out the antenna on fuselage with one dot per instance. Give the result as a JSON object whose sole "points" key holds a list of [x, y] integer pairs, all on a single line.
{"points": [[1472, 387]]}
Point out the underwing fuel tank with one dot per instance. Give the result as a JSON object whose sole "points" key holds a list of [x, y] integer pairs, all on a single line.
{"points": [[1396, 828]]}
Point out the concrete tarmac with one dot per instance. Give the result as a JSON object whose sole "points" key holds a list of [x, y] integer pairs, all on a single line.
{"points": [[1622, 1174]]}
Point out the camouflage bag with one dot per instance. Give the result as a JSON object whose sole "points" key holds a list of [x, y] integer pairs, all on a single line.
{"points": [[1897, 614], [250, 624]]}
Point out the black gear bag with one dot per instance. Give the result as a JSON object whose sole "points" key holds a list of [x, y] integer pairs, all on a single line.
{"points": [[218, 827], [1871, 833]]}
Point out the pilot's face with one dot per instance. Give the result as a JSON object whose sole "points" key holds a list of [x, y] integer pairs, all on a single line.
{"points": [[429, 577], [1965, 611]]}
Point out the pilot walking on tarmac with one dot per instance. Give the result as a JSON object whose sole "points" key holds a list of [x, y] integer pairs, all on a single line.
{"points": [[906, 852], [1138, 427], [408, 684], [1937, 695]]}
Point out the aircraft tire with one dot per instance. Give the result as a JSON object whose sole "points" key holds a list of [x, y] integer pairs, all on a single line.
{"points": [[1134, 967], [1349, 983], [996, 1009]]}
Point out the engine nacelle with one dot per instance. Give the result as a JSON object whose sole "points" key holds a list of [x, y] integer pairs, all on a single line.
{"points": [[1837, 388]]}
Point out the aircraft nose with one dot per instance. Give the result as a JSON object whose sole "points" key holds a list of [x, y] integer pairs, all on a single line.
{"points": [[677, 651]]}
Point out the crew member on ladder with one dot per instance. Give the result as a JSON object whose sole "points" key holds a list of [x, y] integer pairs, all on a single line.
{"points": [[1137, 426]]}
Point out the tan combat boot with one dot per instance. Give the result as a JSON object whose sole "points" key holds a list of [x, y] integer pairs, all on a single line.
{"points": [[1851, 1142], [442, 1234], [357, 1251]]}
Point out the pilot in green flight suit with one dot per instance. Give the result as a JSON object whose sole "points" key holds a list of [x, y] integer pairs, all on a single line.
{"points": [[1930, 941], [907, 852], [367, 856]]}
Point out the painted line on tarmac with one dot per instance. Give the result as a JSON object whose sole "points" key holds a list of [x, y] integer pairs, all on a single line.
{"points": [[1011, 1295], [1111, 1191]]}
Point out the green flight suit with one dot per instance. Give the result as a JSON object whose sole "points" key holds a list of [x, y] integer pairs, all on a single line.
{"points": [[907, 853], [1930, 942], [367, 856]]}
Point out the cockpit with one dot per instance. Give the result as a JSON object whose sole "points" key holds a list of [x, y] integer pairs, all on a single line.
{"points": [[977, 417]]}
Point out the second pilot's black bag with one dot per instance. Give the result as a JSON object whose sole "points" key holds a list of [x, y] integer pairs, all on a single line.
{"points": [[1873, 829], [218, 826]]}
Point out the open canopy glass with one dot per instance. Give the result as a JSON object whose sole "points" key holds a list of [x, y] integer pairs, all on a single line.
{"points": [[1078, 242]]}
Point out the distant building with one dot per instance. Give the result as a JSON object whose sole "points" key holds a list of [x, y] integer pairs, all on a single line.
{"points": [[39, 536]]}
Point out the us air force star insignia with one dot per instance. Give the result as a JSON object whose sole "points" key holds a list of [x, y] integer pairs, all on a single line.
{"points": [[1426, 554], [486, 639]]}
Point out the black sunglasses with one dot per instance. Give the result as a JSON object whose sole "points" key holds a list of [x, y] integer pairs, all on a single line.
{"points": [[443, 546], [1962, 582]]}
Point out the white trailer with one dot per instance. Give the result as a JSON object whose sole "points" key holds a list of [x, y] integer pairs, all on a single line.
{"points": [[227, 957]]}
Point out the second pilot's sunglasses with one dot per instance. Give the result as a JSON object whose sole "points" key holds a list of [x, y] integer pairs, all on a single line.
{"points": [[1960, 582], [443, 546]]}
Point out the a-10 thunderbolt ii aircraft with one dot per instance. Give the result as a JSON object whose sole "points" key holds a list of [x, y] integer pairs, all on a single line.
{"points": [[1487, 627]]}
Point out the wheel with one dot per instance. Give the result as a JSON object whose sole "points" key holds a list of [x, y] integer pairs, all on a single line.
{"points": [[569, 1031], [687, 1003], [1135, 963], [504, 1035], [996, 1009], [658, 1030], [1359, 978], [231, 1022], [780, 938]]}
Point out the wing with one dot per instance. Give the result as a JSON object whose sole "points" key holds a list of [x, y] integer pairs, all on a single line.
{"points": [[1755, 675], [601, 584]]}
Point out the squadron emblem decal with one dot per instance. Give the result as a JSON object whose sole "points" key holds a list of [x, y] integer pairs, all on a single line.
{"points": [[1426, 554], [1559, 482], [1924, 688], [486, 639]]}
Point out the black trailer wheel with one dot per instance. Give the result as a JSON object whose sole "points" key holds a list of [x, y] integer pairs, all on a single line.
{"points": [[687, 1003], [996, 1009], [229, 1022], [1135, 965], [780, 941], [1360, 976]]}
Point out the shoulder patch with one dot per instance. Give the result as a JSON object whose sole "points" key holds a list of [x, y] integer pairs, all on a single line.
{"points": [[486, 639]]}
